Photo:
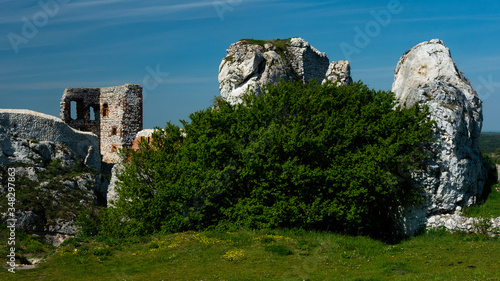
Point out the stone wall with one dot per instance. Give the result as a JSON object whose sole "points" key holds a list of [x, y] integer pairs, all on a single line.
{"points": [[122, 121], [132, 115], [87, 100], [118, 115]]}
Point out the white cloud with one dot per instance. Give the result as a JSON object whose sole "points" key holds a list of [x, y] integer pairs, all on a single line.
{"points": [[53, 85], [133, 11], [451, 18], [97, 10]]}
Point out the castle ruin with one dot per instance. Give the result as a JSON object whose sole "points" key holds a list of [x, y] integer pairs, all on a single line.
{"points": [[114, 114]]}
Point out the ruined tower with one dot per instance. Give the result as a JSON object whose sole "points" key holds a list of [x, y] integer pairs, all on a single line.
{"points": [[114, 114]]}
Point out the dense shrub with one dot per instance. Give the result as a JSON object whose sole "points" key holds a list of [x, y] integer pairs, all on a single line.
{"points": [[307, 156], [88, 222]]}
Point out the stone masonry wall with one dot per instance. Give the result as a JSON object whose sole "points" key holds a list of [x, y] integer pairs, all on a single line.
{"points": [[118, 115], [86, 99], [133, 115]]}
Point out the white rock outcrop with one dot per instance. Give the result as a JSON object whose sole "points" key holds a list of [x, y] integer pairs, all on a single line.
{"points": [[112, 195], [250, 65], [308, 63], [455, 174], [340, 72], [43, 129], [30, 143], [456, 222]]}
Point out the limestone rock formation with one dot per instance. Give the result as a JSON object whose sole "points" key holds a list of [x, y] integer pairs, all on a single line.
{"points": [[19, 125], [456, 222], [58, 193], [51, 163], [112, 195], [307, 61], [454, 176], [252, 64], [498, 172], [340, 72]]}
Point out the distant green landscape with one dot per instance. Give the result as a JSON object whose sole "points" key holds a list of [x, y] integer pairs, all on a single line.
{"points": [[489, 142]]}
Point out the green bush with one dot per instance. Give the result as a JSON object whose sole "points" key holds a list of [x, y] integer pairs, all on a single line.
{"points": [[73, 242], [306, 156], [88, 222], [35, 246]]}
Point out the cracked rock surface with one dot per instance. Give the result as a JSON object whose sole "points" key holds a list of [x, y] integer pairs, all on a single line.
{"points": [[252, 64], [454, 175]]}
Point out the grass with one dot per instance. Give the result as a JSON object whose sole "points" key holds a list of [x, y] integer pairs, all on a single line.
{"points": [[277, 42], [270, 255], [487, 209]]}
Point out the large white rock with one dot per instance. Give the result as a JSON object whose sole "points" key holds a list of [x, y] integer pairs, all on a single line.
{"points": [[42, 130], [249, 66], [455, 174]]}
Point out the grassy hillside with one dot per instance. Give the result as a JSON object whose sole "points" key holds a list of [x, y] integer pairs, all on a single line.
{"points": [[270, 255]]}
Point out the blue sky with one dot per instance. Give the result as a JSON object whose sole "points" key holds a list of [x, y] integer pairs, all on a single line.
{"points": [[174, 48]]}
